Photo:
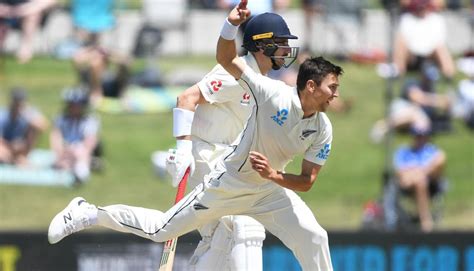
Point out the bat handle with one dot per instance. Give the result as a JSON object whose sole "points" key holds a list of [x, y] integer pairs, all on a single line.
{"points": [[182, 186]]}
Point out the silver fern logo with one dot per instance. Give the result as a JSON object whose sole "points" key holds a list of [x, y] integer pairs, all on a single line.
{"points": [[306, 133]]}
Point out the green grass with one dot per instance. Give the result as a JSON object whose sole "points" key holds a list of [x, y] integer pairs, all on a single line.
{"points": [[351, 177]]}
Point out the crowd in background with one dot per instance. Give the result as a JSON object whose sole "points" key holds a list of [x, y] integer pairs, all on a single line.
{"points": [[420, 57]]}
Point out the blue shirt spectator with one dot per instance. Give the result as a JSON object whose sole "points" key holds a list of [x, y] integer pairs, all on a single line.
{"points": [[408, 157], [417, 167], [20, 125], [75, 135], [76, 130]]}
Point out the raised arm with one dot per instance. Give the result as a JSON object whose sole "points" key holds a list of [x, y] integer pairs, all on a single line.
{"points": [[226, 53]]}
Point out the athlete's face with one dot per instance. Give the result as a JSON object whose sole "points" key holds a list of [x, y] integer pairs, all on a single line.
{"points": [[283, 50], [283, 55], [326, 92]]}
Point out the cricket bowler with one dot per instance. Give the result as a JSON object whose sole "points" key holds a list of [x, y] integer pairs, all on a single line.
{"points": [[209, 116]]}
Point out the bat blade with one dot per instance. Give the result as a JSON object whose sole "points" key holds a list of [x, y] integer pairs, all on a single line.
{"points": [[169, 248]]}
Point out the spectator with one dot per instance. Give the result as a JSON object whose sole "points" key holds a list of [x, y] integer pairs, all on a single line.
{"points": [[419, 106], [417, 166], [20, 127], [93, 62], [75, 135], [422, 33], [310, 9], [25, 15], [90, 18], [102, 73]]}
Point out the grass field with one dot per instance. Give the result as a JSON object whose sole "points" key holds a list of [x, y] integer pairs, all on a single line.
{"points": [[351, 177]]}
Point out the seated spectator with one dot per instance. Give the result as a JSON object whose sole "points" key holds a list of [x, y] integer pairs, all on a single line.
{"points": [[90, 18], [75, 135], [102, 73], [422, 33], [418, 106], [91, 59], [25, 15], [20, 127], [417, 166]]}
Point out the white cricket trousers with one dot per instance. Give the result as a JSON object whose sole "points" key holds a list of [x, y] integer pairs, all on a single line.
{"points": [[281, 211]]}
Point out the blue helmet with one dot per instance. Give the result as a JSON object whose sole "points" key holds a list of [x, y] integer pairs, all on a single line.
{"points": [[265, 26], [262, 30]]}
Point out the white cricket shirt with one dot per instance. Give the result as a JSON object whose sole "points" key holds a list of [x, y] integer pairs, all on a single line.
{"points": [[224, 117], [276, 128]]}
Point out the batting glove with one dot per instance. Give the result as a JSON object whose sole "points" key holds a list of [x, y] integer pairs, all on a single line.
{"points": [[179, 159]]}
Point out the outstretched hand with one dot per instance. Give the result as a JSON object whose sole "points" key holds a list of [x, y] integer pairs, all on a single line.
{"points": [[239, 14]]}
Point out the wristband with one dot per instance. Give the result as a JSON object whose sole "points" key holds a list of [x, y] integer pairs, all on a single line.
{"points": [[229, 31], [182, 122]]}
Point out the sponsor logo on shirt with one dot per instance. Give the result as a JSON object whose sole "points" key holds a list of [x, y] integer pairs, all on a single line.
{"points": [[215, 86], [306, 133], [324, 152], [280, 116], [245, 99]]}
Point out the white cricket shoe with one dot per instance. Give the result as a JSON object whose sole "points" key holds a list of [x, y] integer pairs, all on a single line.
{"points": [[72, 219]]}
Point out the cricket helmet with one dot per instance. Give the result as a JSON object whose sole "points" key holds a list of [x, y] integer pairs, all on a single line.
{"points": [[260, 34]]}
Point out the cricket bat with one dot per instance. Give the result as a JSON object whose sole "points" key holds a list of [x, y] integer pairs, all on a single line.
{"points": [[169, 248]]}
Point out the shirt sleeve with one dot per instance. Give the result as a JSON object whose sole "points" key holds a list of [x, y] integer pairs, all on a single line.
{"points": [[218, 86], [259, 86], [320, 149], [398, 159]]}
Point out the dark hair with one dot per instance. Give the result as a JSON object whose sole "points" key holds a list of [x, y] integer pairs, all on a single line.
{"points": [[316, 69]]}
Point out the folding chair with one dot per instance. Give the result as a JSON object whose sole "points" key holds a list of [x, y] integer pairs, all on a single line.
{"points": [[400, 207]]}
